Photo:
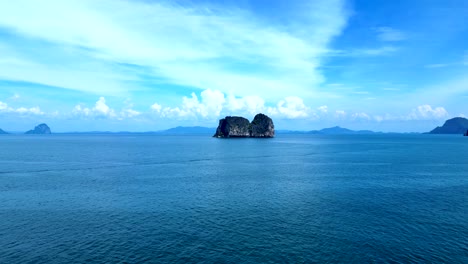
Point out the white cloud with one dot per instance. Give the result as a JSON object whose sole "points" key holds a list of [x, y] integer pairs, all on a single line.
{"points": [[422, 112], [389, 34], [129, 113], [323, 109], [81, 110], [251, 104], [4, 108], [100, 110], [156, 107], [340, 114], [360, 116], [390, 117], [292, 107], [441, 93], [192, 45], [427, 112], [379, 118], [32, 110], [210, 105], [214, 103]]}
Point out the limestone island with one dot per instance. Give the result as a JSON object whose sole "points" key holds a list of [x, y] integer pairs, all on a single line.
{"points": [[235, 126], [457, 125], [40, 129]]}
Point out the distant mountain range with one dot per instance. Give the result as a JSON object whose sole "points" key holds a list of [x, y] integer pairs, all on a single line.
{"points": [[326, 131], [198, 130], [195, 130], [331, 131], [188, 130], [457, 125]]}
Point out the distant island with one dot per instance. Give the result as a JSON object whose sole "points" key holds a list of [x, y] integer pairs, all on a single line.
{"points": [[457, 125], [2, 132], [40, 129], [235, 126]]}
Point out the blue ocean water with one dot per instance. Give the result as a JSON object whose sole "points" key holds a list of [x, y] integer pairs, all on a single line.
{"points": [[197, 199]]}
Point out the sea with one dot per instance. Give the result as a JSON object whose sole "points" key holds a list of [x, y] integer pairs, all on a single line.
{"points": [[135, 198]]}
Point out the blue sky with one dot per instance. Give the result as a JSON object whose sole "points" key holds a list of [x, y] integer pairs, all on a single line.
{"points": [[147, 65]]}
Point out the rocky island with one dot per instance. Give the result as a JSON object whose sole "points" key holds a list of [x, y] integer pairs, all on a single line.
{"points": [[235, 126], [40, 129], [2, 132], [457, 125]]}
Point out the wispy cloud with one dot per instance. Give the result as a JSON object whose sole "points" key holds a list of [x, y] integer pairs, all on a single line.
{"points": [[196, 46], [364, 52], [391, 89], [15, 97], [437, 65], [390, 34], [385, 50]]}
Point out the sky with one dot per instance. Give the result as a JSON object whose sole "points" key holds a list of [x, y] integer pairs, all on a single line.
{"points": [[147, 65]]}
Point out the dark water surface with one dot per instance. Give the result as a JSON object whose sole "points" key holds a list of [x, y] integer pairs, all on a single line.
{"points": [[292, 199]]}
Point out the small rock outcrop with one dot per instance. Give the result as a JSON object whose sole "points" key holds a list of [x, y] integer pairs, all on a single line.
{"points": [[262, 126], [457, 125], [235, 126], [40, 129]]}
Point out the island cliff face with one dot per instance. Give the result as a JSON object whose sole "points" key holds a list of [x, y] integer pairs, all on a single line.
{"points": [[457, 125], [262, 126], [235, 126], [40, 129]]}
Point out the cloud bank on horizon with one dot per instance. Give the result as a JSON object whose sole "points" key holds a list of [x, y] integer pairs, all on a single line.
{"points": [[147, 65]]}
